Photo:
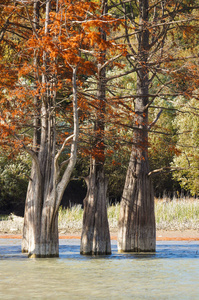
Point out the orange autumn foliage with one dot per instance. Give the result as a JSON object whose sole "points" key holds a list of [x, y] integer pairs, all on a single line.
{"points": [[73, 39]]}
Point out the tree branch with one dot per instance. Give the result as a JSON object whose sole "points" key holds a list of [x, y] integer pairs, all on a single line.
{"points": [[155, 120], [166, 169], [62, 147]]}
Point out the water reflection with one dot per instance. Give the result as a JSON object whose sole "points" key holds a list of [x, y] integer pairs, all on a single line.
{"points": [[171, 273]]}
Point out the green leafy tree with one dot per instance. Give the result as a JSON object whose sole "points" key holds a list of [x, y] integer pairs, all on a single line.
{"points": [[13, 182], [187, 158], [162, 147], [150, 33]]}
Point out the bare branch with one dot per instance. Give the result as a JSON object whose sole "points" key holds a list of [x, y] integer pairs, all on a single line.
{"points": [[166, 169], [62, 147], [33, 27], [155, 120], [110, 61]]}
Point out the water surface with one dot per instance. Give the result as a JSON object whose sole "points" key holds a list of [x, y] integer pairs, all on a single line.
{"points": [[171, 273]]}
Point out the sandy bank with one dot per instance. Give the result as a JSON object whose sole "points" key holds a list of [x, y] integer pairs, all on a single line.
{"points": [[12, 228], [163, 235]]}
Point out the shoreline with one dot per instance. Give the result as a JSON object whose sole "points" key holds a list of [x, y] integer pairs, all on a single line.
{"points": [[161, 235], [13, 227]]}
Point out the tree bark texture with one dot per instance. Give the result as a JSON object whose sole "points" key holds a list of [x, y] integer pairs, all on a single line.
{"points": [[95, 238], [47, 185], [136, 231], [137, 219]]}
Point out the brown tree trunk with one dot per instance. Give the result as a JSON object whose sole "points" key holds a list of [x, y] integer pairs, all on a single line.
{"points": [[36, 134], [46, 186], [95, 239], [40, 232], [137, 217], [45, 191], [30, 192], [43, 231]]}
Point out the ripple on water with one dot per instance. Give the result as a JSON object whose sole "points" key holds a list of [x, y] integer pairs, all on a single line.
{"points": [[171, 273]]}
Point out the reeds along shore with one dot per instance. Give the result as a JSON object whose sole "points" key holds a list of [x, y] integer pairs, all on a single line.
{"points": [[176, 214]]}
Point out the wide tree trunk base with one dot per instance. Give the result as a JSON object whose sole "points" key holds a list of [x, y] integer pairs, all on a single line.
{"points": [[47, 250], [142, 241], [95, 238], [34, 255], [95, 253], [137, 232], [24, 250], [42, 240], [146, 244], [136, 251], [91, 246], [102, 248]]}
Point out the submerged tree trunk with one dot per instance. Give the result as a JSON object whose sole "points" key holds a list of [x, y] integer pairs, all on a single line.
{"points": [[36, 135], [137, 218], [30, 192], [95, 238], [46, 186], [42, 227], [40, 236]]}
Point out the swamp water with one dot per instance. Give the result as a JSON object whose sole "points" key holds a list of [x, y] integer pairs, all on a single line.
{"points": [[171, 273]]}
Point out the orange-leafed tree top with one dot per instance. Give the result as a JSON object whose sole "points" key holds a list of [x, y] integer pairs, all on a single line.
{"points": [[72, 39]]}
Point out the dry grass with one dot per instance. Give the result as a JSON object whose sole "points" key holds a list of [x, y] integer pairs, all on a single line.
{"points": [[70, 220], [178, 214], [11, 224]]}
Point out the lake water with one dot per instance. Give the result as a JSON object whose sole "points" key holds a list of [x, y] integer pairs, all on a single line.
{"points": [[171, 273]]}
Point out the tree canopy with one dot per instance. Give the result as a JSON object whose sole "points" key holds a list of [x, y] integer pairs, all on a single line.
{"points": [[105, 83]]}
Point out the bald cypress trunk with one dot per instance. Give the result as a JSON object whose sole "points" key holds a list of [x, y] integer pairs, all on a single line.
{"points": [[137, 219], [46, 186], [95, 238], [36, 136]]}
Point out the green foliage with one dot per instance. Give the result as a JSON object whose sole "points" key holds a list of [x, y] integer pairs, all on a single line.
{"points": [[14, 176], [187, 157], [130, 7], [116, 168], [162, 146], [182, 41]]}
